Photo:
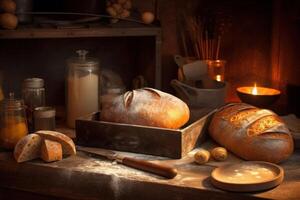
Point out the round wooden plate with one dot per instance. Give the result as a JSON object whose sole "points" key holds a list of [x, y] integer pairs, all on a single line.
{"points": [[249, 176]]}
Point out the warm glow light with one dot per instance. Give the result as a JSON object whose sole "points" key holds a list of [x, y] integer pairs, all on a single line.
{"points": [[254, 90], [218, 78]]}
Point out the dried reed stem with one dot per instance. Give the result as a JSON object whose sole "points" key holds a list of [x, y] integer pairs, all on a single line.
{"points": [[206, 45], [218, 47]]}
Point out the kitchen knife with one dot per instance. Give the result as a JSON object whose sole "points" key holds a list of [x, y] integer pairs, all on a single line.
{"points": [[158, 169]]}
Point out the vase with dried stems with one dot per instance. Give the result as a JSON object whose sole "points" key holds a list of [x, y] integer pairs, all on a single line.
{"points": [[201, 36]]}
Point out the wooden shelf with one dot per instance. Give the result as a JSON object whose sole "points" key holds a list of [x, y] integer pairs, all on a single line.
{"points": [[29, 31]]}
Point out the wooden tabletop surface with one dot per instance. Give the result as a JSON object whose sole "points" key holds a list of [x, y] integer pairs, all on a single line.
{"points": [[84, 177]]}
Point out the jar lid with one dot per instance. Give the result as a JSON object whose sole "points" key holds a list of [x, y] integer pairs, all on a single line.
{"points": [[33, 83], [44, 112], [11, 103], [83, 61]]}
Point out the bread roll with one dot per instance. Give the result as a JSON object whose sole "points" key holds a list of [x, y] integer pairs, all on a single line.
{"points": [[28, 148], [51, 151], [252, 133], [202, 156], [148, 107], [219, 153], [67, 143]]}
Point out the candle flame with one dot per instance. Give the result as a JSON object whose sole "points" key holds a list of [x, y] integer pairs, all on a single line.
{"points": [[254, 90], [218, 78]]}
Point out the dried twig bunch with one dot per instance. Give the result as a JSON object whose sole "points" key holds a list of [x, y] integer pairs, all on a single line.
{"points": [[203, 33]]}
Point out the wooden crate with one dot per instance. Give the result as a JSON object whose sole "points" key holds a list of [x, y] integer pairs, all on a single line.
{"points": [[143, 139]]}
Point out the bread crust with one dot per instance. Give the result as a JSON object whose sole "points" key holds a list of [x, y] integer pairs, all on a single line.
{"points": [[67, 143], [252, 133], [148, 107]]}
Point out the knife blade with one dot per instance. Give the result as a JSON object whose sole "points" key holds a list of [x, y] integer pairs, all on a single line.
{"points": [[158, 169]]}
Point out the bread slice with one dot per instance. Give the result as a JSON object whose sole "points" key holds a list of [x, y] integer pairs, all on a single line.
{"points": [[28, 148], [51, 151], [68, 146]]}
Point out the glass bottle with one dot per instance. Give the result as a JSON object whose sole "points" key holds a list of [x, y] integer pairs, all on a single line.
{"points": [[13, 124], [33, 94], [82, 87]]}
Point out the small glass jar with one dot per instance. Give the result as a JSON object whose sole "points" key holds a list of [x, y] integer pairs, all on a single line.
{"points": [[216, 69], [33, 94], [13, 124], [82, 87], [110, 95], [44, 118]]}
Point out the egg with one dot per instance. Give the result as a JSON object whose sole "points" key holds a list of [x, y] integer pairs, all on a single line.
{"points": [[219, 153], [8, 21], [147, 17], [8, 6], [202, 156]]}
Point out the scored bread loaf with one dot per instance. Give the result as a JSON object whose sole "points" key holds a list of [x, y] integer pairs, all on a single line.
{"points": [[148, 107], [68, 146], [28, 148], [252, 133], [51, 151]]}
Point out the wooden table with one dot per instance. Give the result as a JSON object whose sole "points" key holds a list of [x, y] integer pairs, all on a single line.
{"points": [[84, 177]]}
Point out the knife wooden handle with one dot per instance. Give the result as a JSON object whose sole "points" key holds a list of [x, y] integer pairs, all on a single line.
{"points": [[162, 170]]}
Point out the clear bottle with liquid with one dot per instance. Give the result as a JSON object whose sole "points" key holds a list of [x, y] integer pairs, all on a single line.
{"points": [[82, 87]]}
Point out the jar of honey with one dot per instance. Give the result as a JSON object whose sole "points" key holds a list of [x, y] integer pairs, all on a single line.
{"points": [[13, 123]]}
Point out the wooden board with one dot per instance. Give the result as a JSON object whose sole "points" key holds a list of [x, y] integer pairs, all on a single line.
{"points": [[29, 31], [83, 177], [143, 139], [251, 176]]}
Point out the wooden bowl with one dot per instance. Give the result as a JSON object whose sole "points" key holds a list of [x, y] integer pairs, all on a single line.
{"points": [[264, 96], [248, 176]]}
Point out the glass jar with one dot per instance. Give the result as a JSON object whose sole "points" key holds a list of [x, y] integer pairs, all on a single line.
{"points": [[44, 118], [82, 87], [216, 69], [13, 122], [33, 94], [110, 95]]}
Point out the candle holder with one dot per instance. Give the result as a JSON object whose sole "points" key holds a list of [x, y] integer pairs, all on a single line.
{"points": [[258, 96], [216, 69]]}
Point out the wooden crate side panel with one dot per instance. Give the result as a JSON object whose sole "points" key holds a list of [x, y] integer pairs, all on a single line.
{"points": [[160, 142]]}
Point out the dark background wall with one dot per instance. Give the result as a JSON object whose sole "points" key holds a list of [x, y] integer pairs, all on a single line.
{"points": [[261, 44]]}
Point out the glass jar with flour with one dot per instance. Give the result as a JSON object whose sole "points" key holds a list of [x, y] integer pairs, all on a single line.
{"points": [[82, 86]]}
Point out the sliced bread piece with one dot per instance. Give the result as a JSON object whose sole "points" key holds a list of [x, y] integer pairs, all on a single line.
{"points": [[28, 148], [51, 151], [67, 143]]}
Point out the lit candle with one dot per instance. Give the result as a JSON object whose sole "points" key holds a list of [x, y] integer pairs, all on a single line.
{"points": [[218, 78], [254, 90], [259, 96]]}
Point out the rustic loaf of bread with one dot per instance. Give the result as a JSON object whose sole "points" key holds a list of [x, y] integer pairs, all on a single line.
{"points": [[67, 143], [28, 148], [252, 133], [148, 107], [51, 151]]}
